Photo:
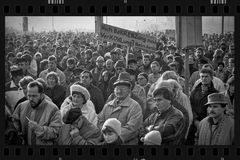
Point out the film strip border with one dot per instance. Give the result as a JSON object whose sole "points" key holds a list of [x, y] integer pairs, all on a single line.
{"points": [[118, 7], [125, 152]]}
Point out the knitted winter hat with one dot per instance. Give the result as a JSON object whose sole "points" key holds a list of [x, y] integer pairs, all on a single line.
{"points": [[153, 138], [114, 124]]}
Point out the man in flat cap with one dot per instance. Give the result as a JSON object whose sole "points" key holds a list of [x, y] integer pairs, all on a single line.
{"points": [[218, 127], [125, 109], [120, 67]]}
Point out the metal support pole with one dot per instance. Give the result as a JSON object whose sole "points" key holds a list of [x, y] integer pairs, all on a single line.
{"points": [[187, 72], [222, 24]]}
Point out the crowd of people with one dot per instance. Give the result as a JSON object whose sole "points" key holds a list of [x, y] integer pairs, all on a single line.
{"points": [[68, 88]]}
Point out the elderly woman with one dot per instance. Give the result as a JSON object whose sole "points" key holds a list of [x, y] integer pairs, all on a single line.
{"points": [[181, 101], [82, 101], [54, 90]]}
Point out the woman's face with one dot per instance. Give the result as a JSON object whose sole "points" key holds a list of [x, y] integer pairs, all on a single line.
{"points": [[51, 81], [77, 99]]}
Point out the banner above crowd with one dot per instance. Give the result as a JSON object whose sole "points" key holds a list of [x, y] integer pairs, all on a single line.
{"points": [[125, 37]]}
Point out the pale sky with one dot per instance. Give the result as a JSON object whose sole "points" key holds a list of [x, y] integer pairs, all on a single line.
{"points": [[84, 23]]}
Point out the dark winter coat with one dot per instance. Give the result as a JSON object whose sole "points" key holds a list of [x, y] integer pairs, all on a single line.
{"points": [[198, 101]]}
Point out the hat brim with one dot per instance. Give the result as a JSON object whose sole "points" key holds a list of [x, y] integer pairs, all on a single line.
{"points": [[216, 102], [125, 83]]}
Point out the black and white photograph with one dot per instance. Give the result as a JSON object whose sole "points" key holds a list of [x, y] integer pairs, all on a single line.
{"points": [[119, 80]]}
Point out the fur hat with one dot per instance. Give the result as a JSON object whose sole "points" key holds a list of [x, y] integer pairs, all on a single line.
{"points": [[80, 89], [153, 138], [124, 79], [218, 98], [114, 124]]}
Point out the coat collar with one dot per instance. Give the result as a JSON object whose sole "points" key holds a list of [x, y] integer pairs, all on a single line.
{"points": [[211, 88], [166, 112]]}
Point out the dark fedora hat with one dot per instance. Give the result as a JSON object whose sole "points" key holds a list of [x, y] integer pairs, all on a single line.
{"points": [[216, 98]]}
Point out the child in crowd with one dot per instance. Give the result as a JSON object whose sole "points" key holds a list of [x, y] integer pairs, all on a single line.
{"points": [[111, 132]]}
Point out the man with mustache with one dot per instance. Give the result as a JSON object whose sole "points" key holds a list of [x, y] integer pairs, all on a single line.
{"points": [[218, 127], [198, 98]]}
